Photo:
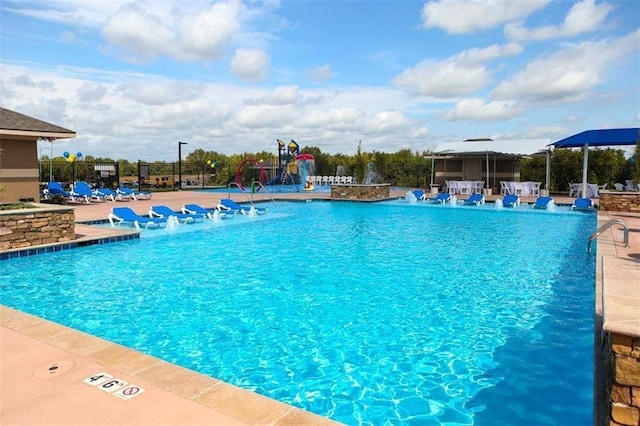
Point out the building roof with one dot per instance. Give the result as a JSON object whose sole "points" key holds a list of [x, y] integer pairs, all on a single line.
{"points": [[13, 123], [516, 148]]}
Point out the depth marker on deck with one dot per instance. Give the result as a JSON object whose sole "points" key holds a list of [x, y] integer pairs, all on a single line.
{"points": [[117, 387]]}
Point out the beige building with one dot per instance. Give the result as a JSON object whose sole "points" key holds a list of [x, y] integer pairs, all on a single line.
{"points": [[19, 135]]}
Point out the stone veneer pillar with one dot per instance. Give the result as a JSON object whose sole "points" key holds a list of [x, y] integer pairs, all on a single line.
{"points": [[360, 191], [619, 201], [622, 375], [36, 226]]}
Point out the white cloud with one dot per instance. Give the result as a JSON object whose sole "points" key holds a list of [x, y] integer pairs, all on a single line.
{"points": [[134, 29], [321, 73], [73, 12], [477, 109], [261, 116], [568, 74], [457, 75], [203, 35], [386, 121], [332, 119], [281, 95], [139, 116], [467, 16], [162, 92], [583, 17], [250, 64]]}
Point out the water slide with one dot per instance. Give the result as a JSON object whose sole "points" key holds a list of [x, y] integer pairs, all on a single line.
{"points": [[277, 179]]}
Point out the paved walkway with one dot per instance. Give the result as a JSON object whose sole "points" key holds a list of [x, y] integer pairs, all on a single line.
{"points": [[45, 366]]}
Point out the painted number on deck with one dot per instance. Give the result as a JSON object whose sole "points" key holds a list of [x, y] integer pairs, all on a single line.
{"points": [[113, 385], [97, 379]]}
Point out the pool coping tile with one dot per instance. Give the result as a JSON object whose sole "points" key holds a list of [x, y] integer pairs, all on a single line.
{"points": [[219, 402]]}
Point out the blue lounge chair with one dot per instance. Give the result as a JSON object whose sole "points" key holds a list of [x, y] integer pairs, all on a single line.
{"points": [[474, 200], [583, 204], [227, 204], [133, 193], [82, 191], [55, 189], [166, 212], [542, 202], [510, 200], [110, 194], [120, 215], [210, 213], [442, 198], [419, 194]]}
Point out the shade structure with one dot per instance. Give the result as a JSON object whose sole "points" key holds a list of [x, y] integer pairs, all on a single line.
{"points": [[487, 147], [601, 137], [598, 137]]}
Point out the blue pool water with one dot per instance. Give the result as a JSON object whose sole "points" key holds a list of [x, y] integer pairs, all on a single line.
{"points": [[388, 313]]}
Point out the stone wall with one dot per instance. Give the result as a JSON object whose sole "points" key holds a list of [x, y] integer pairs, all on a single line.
{"points": [[360, 192], [31, 227], [622, 372], [619, 201]]}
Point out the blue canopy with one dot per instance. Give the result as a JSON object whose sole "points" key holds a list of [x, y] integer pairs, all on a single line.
{"points": [[601, 137]]}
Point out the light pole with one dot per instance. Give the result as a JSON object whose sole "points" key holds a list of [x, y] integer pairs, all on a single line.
{"points": [[50, 140], [180, 163]]}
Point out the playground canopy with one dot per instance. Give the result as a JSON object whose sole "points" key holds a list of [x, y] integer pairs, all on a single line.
{"points": [[598, 137]]}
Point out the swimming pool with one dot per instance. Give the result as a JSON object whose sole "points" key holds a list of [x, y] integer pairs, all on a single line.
{"points": [[365, 313]]}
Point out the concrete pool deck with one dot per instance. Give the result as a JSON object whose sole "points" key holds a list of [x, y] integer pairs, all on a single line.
{"points": [[44, 366]]}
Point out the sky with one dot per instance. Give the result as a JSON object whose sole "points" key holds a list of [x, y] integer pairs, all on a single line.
{"points": [[133, 78]]}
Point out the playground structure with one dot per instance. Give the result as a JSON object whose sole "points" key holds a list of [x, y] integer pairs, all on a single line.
{"points": [[292, 168], [256, 164]]}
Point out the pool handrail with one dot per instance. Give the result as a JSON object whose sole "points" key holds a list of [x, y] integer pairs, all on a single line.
{"points": [[606, 226], [244, 192]]}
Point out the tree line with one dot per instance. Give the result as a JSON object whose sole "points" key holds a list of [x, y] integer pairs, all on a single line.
{"points": [[404, 168]]}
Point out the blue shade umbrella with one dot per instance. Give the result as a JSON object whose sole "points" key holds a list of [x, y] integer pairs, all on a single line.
{"points": [[599, 137]]}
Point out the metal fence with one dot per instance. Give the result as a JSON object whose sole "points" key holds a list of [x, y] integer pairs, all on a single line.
{"points": [[100, 174]]}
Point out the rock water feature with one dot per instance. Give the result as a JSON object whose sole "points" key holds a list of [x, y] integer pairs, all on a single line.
{"points": [[371, 176], [369, 190]]}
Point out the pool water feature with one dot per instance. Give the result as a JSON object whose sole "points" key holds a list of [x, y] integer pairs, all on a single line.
{"points": [[365, 313]]}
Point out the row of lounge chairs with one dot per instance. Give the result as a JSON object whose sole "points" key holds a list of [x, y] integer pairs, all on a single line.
{"points": [[160, 215], [81, 192], [509, 200]]}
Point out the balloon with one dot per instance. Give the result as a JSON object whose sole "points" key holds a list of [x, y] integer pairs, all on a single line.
{"points": [[65, 154], [209, 162], [78, 154]]}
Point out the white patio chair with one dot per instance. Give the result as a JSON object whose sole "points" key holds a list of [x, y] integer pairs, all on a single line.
{"points": [[504, 188], [619, 186], [535, 190], [450, 187], [574, 189], [519, 189], [629, 185], [479, 186]]}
